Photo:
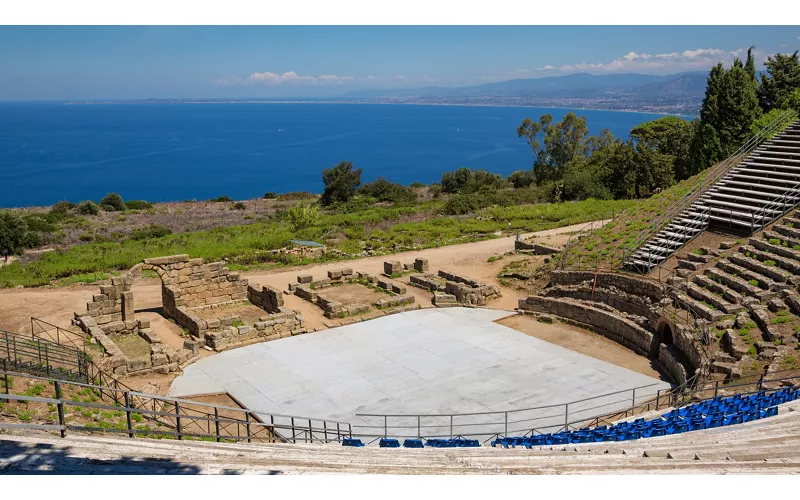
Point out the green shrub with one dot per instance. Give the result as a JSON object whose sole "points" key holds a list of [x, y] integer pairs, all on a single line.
{"points": [[62, 207], [88, 208], [383, 190], [461, 204], [269, 195], [238, 206], [295, 195], [149, 232], [754, 282], [775, 241], [415, 185], [769, 262], [221, 199], [302, 216], [138, 205], [112, 202]]}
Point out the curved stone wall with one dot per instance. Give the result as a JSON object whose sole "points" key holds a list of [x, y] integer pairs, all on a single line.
{"points": [[606, 323]]}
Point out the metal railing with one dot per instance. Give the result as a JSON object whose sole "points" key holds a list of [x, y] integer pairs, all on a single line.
{"points": [[33, 354], [713, 175], [451, 425], [54, 333], [174, 417], [489, 424]]}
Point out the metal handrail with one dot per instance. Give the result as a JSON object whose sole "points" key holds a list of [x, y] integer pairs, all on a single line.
{"points": [[39, 322], [713, 175], [307, 433], [555, 405]]}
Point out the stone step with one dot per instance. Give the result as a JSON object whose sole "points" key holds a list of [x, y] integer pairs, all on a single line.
{"points": [[718, 288], [778, 276], [732, 281], [700, 259], [700, 309], [788, 232], [704, 295], [764, 251], [787, 258], [765, 289], [786, 240], [688, 264]]}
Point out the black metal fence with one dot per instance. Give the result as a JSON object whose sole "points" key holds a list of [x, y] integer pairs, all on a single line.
{"points": [[169, 417], [31, 354]]}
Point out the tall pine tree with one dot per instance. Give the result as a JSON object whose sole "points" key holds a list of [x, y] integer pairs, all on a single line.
{"points": [[780, 80], [730, 108]]}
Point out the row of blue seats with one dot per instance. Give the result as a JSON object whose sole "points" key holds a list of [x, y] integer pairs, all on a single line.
{"points": [[418, 443], [716, 412], [713, 413]]}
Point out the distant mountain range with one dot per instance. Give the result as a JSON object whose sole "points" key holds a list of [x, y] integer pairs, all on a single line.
{"points": [[578, 85]]}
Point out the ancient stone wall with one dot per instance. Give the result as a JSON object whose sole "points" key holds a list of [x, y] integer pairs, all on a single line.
{"points": [[113, 308], [627, 284], [606, 323], [625, 302], [468, 291], [670, 360], [268, 298]]}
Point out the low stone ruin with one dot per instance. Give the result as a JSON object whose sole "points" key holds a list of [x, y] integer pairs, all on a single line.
{"points": [[188, 286], [535, 248], [450, 289], [307, 289]]}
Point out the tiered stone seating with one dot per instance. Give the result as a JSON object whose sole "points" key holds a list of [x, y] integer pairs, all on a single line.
{"points": [[748, 197], [765, 446]]}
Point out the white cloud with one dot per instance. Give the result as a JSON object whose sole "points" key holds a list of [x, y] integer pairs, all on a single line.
{"points": [[292, 78], [698, 59]]}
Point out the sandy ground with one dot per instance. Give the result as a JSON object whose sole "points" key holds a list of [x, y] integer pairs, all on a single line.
{"points": [[584, 342]]}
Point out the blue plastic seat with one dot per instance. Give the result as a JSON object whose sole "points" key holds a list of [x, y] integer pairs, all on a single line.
{"points": [[352, 442], [414, 443], [389, 443], [735, 418]]}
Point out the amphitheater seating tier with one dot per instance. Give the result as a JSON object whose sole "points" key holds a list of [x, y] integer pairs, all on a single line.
{"points": [[746, 198]]}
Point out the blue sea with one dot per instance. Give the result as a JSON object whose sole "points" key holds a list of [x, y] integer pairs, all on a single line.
{"points": [[168, 152]]}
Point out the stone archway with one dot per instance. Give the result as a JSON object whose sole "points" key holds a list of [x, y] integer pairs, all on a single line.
{"points": [[664, 330]]}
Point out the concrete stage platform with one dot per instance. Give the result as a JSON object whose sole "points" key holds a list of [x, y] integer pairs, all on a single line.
{"points": [[453, 360]]}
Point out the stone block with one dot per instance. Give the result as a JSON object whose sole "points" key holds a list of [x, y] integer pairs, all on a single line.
{"points": [[138, 364], [150, 336], [159, 359], [335, 274], [392, 267], [305, 278], [421, 265], [144, 323], [399, 289], [386, 285]]}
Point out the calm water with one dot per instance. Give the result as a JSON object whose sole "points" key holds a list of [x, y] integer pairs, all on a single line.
{"points": [[161, 152]]}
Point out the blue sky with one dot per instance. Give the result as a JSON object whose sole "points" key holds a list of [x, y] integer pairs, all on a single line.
{"points": [[316, 61]]}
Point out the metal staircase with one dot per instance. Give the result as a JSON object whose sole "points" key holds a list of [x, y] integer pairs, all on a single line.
{"points": [[741, 195]]}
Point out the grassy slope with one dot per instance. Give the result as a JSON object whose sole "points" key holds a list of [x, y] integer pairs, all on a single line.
{"points": [[606, 245], [385, 229]]}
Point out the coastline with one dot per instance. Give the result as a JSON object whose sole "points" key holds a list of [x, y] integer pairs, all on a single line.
{"points": [[361, 102]]}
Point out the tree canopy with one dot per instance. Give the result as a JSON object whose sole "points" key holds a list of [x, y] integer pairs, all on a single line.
{"points": [[13, 234], [779, 82], [341, 182]]}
